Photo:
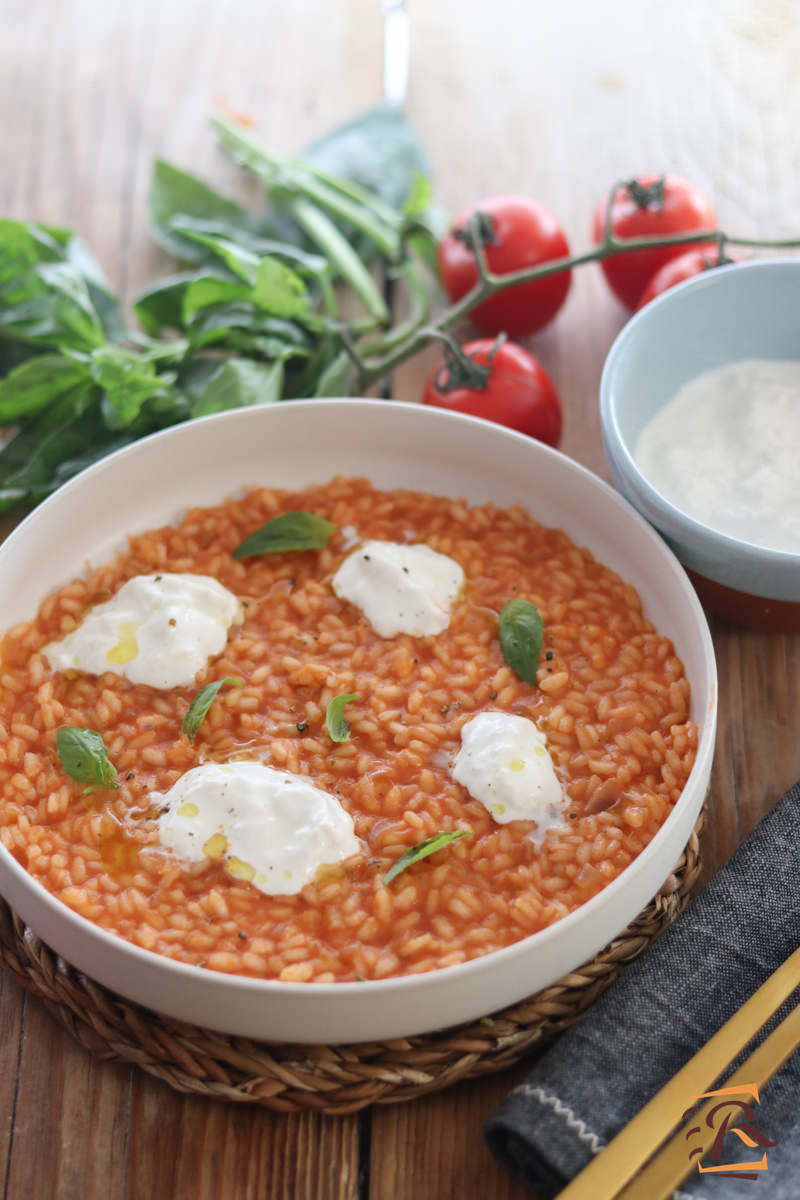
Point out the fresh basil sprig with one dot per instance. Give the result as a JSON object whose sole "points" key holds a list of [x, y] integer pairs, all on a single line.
{"points": [[290, 531], [335, 721], [83, 755], [422, 849], [521, 638], [196, 712]]}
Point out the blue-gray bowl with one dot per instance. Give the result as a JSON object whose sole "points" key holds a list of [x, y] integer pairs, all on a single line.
{"points": [[746, 310]]}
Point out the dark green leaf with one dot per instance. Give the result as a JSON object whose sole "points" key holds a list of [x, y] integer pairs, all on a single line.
{"points": [[169, 352], [196, 712], [173, 194], [11, 498], [28, 459], [20, 251], [379, 150], [195, 374], [70, 466], [422, 849], [247, 330], [81, 310], [521, 638], [83, 756], [335, 722], [49, 305], [104, 302], [161, 307], [128, 380], [207, 291], [14, 354], [279, 290], [240, 383], [241, 262], [206, 232], [337, 378], [62, 440], [35, 384], [291, 531]]}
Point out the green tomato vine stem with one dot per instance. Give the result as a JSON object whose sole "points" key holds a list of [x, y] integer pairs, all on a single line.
{"points": [[372, 368]]}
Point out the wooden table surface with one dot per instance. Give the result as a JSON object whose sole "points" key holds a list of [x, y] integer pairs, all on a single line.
{"points": [[553, 100]]}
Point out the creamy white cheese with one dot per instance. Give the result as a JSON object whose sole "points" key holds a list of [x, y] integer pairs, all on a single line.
{"points": [[724, 451], [399, 588], [158, 630], [273, 829], [504, 763], [350, 536]]}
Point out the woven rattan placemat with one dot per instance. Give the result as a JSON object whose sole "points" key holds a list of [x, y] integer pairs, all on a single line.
{"points": [[328, 1079]]}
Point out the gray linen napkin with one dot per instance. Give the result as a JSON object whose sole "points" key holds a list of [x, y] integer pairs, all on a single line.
{"points": [[665, 1006]]}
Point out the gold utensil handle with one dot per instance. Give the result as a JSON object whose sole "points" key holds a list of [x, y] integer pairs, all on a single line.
{"points": [[672, 1164], [607, 1174]]}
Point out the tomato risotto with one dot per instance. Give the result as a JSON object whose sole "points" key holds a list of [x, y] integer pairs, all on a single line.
{"points": [[610, 698]]}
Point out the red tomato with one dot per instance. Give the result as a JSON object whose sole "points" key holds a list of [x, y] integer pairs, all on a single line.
{"points": [[641, 209], [519, 393], [692, 262], [525, 233]]}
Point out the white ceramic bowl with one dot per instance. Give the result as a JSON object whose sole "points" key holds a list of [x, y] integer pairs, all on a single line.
{"points": [[748, 310], [154, 481]]}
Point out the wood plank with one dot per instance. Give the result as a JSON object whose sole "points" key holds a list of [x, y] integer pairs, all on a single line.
{"points": [[433, 1148], [12, 1021], [70, 1127], [190, 1146]]}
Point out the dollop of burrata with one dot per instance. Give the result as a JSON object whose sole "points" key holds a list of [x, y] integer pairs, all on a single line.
{"points": [[504, 763], [158, 630], [723, 450], [272, 829], [400, 588]]}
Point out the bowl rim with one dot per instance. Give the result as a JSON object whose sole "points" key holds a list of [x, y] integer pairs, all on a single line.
{"points": [[460, 972], [678, 522]]}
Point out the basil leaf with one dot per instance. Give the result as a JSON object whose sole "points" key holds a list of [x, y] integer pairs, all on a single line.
{"points": [[378, 150], [337, 726], [241, 262], [291, 531], [45, 300], [521, 638], [422, 849], [105, 303], [240, 323], [35, 384], [206, 290], [174, 194], [239, 383], [83, 756], [196, 712], [129, 380], [336, 379], [14, 354], [279, 290], [62, 430], [419, 197], [161, 306]]}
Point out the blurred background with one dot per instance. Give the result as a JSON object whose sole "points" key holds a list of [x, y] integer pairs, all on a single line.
{"points": [[552, 100]]}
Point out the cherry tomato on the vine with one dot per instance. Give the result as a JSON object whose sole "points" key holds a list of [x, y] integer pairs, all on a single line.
{"points": [[519, 393], [692, 262], [650, 206], [521, 234]]}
